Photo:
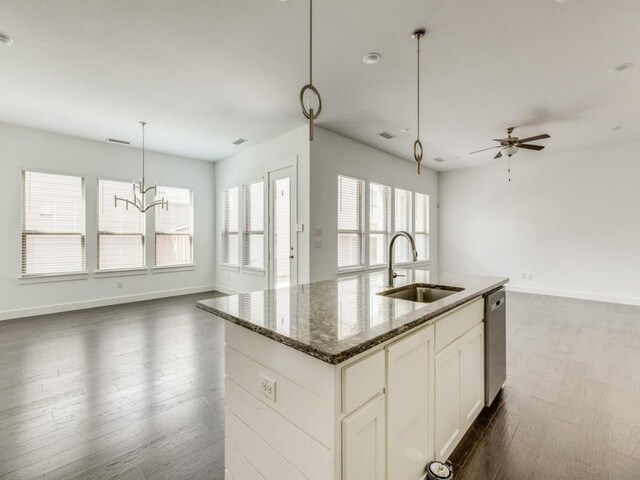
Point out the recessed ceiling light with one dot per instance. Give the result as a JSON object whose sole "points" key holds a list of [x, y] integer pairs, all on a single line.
{"points": [[439, 159], [6, 40], [563, 1], [371, 58], [622, 67]]}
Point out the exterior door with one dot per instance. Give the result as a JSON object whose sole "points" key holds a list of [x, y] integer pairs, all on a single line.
{"points": [[283, 255]]}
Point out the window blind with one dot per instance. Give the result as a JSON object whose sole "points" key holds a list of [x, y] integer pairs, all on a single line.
{"points": [[379, 223], [350, 222], [120, 231], [174, 227], [422, 226], [230, 245], [53, 224], [403, 221], [253, 232]]}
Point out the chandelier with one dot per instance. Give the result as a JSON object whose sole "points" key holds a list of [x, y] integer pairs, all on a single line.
{"points": [[417, 145], [307, 110]]}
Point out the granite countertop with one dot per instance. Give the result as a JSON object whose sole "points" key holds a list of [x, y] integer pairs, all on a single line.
{"points": [[335, 320]]}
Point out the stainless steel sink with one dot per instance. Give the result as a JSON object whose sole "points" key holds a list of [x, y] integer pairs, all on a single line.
{"points": [[421, 292]]}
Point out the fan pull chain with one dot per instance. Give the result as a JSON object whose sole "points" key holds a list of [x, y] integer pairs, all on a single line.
{"points": [[509, 167]]}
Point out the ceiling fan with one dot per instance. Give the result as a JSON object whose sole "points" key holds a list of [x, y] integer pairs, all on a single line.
{"points": [[510, 145]]}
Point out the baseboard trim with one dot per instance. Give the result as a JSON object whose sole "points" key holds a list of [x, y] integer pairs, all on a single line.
{"points": [[101, 302], [579, 295], [228, 291]]}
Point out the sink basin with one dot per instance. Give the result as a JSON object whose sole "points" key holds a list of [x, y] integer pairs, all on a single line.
{"points": [[421, 292]]}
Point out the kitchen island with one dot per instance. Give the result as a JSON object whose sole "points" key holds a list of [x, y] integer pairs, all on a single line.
{"points": [[332, 380]]}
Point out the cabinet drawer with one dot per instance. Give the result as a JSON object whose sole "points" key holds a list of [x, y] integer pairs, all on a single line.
{"points": [[362, 380], [457, 323]]}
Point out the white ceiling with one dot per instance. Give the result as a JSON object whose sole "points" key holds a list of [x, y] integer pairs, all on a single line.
{"points": [[205, 72]]}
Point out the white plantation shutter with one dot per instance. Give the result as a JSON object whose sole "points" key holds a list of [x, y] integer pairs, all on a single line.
{"points": [[403, 221], [174, 229], [120, 231], [422, 226], [230, 246], [350, 222], [253, 232], [379, 223], [53, 224]]}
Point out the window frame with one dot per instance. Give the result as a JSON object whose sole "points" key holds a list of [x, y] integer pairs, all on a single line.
{"points": [[246, 234], [363, 232], [24, 233], [225, 232], [98, 270], [190, 234], [410, 230], [427, 224], [387, 234]]}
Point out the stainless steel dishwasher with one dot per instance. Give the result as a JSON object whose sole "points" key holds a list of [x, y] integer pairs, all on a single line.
{"points": [[495, 347]]}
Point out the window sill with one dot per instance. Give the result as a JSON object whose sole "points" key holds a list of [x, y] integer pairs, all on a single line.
{"points": [[342, 271], [120, 272], [173, 268], [229, 268], [52, 277], [253, 271]]}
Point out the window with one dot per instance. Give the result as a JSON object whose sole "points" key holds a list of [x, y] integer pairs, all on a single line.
{"points": [[174, 228], [422, 226], [403, 221], [230, 245], [253, 231], [379, 223], [53, 224], [120, 230], [350, 222]]}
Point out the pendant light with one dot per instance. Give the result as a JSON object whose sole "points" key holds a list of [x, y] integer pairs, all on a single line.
{"points": [[308, 110], [140, 190], [417, 145]]}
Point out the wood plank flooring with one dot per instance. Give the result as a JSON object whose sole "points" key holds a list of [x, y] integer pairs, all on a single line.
{"points": [[571, 405], [135, 392]]}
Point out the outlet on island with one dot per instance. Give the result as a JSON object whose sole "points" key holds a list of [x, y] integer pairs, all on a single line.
{"points": [[268, 387]]}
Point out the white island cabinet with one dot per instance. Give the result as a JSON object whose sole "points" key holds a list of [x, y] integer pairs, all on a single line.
{"points": [[360, 388]]}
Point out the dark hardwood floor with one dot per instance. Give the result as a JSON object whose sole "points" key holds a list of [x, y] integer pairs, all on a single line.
{"points": [[136, 392]]}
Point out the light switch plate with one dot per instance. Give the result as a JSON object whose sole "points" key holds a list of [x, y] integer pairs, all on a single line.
{"points": [[300, 227], [268, 387]]}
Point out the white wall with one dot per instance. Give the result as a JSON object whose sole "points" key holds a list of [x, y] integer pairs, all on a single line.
{"points": [[571, 219], [32, 149], [249, 166], [333, 154]]}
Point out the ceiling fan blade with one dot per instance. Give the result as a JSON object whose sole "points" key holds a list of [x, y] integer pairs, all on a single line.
{"points": [[533, 139], [484, 149], [499, 139], [531, 147], [498, 155]]}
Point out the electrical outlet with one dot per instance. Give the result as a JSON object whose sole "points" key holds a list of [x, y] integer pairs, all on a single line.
{"points": [[268, 387], [530, 276], [317, 244], [119, 285], [524, 276]]}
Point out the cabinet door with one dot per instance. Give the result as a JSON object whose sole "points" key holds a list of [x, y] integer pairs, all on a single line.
{"points": [[410, 381], [363, 442], [471, 375], [447, 404]]}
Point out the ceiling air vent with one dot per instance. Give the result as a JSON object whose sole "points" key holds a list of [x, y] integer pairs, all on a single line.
{"points": [[387, 135], [115, 140], [240, 141], [439, 159]]}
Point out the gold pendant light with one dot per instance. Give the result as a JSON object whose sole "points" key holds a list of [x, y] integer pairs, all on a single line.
{"points": [[417, 145], [140, 190], [307, 110]]}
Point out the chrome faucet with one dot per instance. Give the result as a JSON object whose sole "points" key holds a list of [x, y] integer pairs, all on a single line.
{"points": [[390, 273]]}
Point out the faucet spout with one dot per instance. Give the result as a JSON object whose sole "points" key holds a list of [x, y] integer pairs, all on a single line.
{"points": [[390, 273]]}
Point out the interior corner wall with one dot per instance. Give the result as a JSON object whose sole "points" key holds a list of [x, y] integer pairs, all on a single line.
{"points": [[23, 148], [251, 165], [333, 154], [567, 224]]}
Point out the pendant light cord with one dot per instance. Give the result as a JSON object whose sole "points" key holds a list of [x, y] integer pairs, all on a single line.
{"points": [[418, 88], [311, 41], [142, 183]]}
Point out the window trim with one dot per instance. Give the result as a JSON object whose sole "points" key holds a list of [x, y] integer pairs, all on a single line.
{"points": [[53, 276], [235, 267], [192, 251], [427, 232], [388, 234], [99, 270]]}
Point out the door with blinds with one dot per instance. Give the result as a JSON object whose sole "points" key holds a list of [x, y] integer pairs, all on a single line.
{"points": [[283, 258]]}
